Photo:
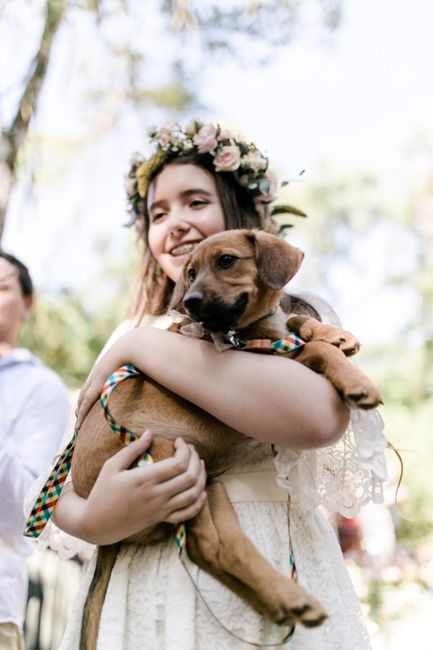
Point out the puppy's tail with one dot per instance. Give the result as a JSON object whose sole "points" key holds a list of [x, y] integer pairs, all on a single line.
{"points": [[96, 595]]}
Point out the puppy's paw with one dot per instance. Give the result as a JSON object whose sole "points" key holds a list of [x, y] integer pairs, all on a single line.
{"points": [[362, 395], [292, 604]]}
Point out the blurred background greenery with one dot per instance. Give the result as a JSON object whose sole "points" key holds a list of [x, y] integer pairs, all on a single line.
{"points": [[82, 82]]}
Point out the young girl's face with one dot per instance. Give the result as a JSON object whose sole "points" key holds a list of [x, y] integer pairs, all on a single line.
{"points": [[184, 208]]}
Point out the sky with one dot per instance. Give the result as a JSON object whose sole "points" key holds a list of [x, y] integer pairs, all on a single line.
{"points": [[358, 99]]}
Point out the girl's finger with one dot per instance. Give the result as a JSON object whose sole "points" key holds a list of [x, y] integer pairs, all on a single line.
{"points": [[180, 472], [194, 476], [188, 497], [124, 458], [169, 468], [87, 401], [178, 516], [83, 392]]}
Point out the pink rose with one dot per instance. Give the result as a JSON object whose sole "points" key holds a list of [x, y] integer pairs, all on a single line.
{"points": [[228, 159], [205, 139], [255, 160], [225, 135]]}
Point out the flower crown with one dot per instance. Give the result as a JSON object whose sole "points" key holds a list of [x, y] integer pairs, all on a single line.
{"points": [[229, 154]]}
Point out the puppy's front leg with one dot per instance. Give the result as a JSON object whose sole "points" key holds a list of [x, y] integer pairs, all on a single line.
{"points": [[352, 384], [310, 329], [217, 544]]}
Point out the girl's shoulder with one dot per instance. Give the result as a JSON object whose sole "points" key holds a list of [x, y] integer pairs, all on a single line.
{"points": [[161, 322]]}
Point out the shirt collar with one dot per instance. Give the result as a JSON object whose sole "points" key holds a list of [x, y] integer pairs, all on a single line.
{"points": [[18, 356]]}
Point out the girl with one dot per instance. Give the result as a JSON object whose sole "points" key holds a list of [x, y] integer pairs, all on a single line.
{"points": [[201, 181]]}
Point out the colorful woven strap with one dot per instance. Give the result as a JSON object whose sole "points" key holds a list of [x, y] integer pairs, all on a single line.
{"points": [[289, 343], [294, 572], [127, 436], [49, 495]]}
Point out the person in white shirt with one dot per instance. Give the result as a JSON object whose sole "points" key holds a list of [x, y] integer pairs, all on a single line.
{"points": [[34, 410]]}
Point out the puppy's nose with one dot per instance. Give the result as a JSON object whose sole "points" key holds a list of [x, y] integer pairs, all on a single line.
{"points": [[193, 302]]}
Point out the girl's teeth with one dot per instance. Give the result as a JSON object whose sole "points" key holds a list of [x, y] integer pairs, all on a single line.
{"points": [[183, 250]]}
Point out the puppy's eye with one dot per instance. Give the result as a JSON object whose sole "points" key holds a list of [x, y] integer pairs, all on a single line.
{"points": [[191, 275], [226, 261]]}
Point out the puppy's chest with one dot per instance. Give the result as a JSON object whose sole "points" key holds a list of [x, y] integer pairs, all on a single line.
{"points": [[248, 455]]}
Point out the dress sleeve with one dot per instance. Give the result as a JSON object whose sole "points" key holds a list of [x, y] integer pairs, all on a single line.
{"points": [[346, 475], [342, 477]]}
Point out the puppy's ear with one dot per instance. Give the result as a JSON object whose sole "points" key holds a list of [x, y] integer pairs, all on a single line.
{"points": [[179, 291], [277, 261]]}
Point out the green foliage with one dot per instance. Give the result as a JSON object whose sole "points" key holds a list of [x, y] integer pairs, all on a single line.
{"points": [[409, 428], [68, 336]]}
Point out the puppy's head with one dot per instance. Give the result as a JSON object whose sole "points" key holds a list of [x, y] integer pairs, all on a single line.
{"points": [[233, 278]]}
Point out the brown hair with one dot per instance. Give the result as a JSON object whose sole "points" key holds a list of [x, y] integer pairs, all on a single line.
{"points": [[154, 288]]}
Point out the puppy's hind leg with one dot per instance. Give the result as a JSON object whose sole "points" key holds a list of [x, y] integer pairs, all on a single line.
{"points": [[217, 544]]}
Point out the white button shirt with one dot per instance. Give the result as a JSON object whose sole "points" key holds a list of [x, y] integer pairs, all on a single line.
{"points": [[34, 409]]}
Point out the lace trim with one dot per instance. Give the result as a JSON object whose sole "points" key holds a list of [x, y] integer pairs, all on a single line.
{"points": [[342, 477]]}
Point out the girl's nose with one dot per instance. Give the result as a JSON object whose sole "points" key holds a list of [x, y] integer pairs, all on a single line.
{"points": [[178, 225]]}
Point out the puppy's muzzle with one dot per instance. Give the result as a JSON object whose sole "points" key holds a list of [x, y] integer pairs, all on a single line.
{"points": [[216, 315]]}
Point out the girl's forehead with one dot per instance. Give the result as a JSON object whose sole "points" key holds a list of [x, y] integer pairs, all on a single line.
{"points": [[180, 178]]}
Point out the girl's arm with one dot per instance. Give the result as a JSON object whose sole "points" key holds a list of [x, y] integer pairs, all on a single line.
{"points": [[270, 398], [124, 501]]}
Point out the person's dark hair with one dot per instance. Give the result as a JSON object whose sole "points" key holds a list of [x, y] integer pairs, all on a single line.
{"points": [[154, 288], [24, 278]]}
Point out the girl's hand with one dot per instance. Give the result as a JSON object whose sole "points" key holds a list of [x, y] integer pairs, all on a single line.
{"points": [[125, 501]]}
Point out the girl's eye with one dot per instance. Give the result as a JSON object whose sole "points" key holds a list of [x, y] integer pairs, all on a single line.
{"points": [[191, 275], [157, 216], [226, 261], [198, 203]]}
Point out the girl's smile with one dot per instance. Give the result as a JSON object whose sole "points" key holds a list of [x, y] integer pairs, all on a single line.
{"points": [[184, 208]]}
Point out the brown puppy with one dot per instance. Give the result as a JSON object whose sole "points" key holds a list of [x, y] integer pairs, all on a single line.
{"points": [[232, 281]]}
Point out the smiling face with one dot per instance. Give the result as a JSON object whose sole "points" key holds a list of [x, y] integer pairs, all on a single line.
{"points": [[184, 208]]}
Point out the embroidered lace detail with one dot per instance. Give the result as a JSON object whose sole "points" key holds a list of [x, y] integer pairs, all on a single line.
{"points": [[342, 477]]}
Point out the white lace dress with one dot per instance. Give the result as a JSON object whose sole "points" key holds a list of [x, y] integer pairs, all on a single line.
{"points": [[151, 603]]}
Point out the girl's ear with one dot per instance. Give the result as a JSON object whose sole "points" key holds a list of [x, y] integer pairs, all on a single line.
{"points": [[176, 302], [277, 261]]}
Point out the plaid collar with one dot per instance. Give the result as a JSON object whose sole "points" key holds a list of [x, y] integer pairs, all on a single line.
{"points": [[288, 343]]}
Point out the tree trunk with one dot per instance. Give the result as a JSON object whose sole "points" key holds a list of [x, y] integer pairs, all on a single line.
{"points": [[13, 138]]}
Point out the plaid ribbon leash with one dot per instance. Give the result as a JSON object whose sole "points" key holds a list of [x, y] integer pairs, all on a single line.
{"points": [[294, 572], [127, 436], [49, 495], [288, 343]]}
